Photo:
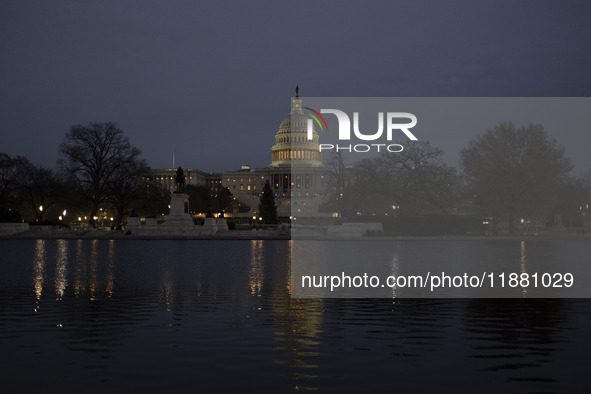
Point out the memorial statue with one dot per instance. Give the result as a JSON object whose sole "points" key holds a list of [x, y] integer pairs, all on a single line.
{"points": [[179, 179]]}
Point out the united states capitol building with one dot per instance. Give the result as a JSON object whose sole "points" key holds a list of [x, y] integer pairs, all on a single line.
{"points": [[296, 173]]}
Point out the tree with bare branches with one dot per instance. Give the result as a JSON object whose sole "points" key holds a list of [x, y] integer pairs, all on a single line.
{"points": [[12, 170], [96, 155], [515, 172], [412, 182], [40, 187]]}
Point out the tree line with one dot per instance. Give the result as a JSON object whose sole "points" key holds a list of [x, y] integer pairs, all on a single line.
{"points": [[506, 175], [509, 175], [98, 171]]}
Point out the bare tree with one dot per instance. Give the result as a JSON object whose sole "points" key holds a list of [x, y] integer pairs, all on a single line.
{"points": [[339, 179], [572, 202], [414, 181], [515, 173], [417, 178], [41, 188], [11, 178], [94, 155], [125, 187]]}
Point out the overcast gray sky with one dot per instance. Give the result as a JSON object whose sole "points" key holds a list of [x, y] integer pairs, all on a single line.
{"points": [[214, 79]]}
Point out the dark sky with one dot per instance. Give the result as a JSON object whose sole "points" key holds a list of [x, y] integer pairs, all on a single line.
{"points": [[214, 79]]}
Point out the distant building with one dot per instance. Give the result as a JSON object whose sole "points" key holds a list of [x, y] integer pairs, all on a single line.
{"points": [[296, 173], [165, 178]]}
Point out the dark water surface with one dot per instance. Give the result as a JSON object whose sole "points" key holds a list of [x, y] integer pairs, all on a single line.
{"points": [[216, 316]]}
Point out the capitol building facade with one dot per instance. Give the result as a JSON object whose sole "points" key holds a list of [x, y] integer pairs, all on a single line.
{"points": [[296, 173]]}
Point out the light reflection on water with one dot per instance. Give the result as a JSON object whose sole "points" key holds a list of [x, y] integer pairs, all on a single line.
{"points": [[110, 267], [38, 270], [523, 266], [93, 268], [256, 275], [61, 269], [217, 315], [394, 270]]}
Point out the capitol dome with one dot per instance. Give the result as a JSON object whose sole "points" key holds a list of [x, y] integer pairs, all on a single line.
{"points": [[292, 147], [295, 122]]}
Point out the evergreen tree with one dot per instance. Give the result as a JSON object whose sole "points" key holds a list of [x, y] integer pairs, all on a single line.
{"points": [[267, 207]]}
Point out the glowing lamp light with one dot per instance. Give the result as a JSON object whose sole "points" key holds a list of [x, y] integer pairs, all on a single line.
{"points": [[40, 208], [60, 217]]}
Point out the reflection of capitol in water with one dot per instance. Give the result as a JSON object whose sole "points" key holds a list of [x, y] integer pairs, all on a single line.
{"points": [[100, 282], [219, 313], [297, 332], [297, 323]]}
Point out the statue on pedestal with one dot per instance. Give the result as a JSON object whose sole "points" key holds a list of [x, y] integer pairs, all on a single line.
{"points": [[179, 179]]}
